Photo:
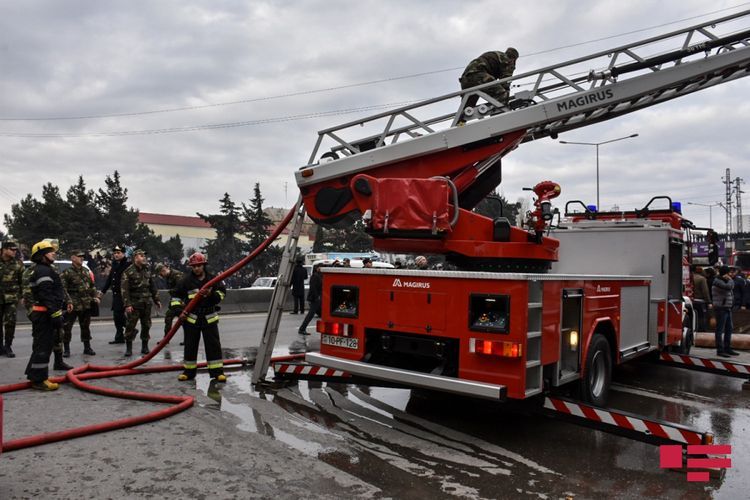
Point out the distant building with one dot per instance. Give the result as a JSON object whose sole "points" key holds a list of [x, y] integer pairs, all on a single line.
{"points": [[195, 232]]}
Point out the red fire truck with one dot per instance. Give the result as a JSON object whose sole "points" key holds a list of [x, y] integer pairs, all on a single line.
{"points": [[613, 294], [558, 300]]}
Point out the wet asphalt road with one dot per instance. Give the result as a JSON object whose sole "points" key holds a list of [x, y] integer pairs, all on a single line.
{"points": [[311, 439]]}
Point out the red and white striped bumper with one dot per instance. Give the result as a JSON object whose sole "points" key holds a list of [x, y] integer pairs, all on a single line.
{"points": [[711, 365], [304, 370], [649, 430]]}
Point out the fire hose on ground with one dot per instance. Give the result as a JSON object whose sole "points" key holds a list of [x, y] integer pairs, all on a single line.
{"points": [[78, 375]]}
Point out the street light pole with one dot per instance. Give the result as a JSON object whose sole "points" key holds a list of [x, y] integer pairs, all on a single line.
{"points": [[710, 207], [597, 144]]}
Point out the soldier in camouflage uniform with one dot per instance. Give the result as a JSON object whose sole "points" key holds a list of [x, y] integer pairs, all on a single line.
{"points": [[28, 301], [81, 293], [11, 287], [138, 290], [488, 67], [172, 278]]}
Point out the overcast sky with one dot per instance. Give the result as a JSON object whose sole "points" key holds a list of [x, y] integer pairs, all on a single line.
{"points": [[238, 61]]}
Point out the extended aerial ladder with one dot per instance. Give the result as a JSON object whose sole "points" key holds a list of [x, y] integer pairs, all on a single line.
{"points": [[425, 148]]}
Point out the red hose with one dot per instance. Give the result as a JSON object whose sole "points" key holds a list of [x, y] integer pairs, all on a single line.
{"points": [[178, 403]]}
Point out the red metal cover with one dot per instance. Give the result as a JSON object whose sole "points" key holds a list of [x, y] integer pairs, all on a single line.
{"points": [[411, 204]]}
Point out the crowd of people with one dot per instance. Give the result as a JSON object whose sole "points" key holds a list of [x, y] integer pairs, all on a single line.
{"points": [[55, 301], [717, 293]]}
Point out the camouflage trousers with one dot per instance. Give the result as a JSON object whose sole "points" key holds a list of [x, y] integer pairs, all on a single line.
{"points": [[84, 321], [499, 92], [8, 325], [169, 317], [142, 313]]}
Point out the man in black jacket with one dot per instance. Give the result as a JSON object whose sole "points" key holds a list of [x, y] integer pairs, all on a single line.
{"points": [[114, 281], [314, 297], [202, 319], [48, 302], [299, 275]]}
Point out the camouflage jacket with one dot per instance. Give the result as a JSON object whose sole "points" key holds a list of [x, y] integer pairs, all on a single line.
{"points": [[495, 63], [138, 287], [11, 281], [27, 295], [174, 279], [80, 288]]}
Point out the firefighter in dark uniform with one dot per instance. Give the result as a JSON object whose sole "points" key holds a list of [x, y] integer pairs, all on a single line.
{"points": [[48, 301], [82, 293], [204, 319], [138, 290], [488, 67], [58, 332], [172, 278], [11, 287], [119, 264]]}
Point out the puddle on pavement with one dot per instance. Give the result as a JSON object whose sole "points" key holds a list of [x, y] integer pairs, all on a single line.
{"points": [[376, 432]]}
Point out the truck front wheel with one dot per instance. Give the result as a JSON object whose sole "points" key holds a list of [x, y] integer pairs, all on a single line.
{"points": [[598, 375]]}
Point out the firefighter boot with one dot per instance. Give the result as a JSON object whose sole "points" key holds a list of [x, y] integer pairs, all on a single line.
{"points": [[128, 348], [144, 347], [87, 348], [186, 375], [59, 363], [8, 351], [66, 351], [45, 385], [2, 350]]}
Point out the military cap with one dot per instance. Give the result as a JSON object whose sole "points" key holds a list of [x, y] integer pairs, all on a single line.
{"points": [[77, 253], [511, 52], [117, 248], [159, 267], [10, 244], [139, 251]]}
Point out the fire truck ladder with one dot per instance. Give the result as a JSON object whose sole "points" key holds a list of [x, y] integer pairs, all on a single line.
{"points": [[554, 99], [546, 102], [275, 308]]}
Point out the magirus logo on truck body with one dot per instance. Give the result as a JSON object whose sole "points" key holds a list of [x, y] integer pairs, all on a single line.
{"points": [[397, 283]]}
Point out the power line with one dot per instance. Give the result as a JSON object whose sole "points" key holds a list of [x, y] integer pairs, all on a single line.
{"points": [[351, 85], [213, 126]]}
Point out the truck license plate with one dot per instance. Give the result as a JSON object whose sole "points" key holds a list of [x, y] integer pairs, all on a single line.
{"points": [[335, 340]]}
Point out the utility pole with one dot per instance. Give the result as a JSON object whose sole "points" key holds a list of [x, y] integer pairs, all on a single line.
{"points": [[738, 181], [728, 200]]}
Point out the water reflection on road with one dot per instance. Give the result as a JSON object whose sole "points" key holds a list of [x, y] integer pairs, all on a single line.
{"points": [[415, 444]]}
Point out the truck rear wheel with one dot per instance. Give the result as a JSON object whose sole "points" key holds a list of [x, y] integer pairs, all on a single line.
{"points": [[688, 335], [594, 387]]}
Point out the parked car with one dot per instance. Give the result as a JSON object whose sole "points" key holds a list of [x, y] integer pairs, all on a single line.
{"points": [[62, 265], [264, 282]]}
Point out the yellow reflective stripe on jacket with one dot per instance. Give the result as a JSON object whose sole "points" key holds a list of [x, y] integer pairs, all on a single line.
{"points": [[175, 302], [215, 364], [189, 365], [220, 294], [57, 313], [192, 293], [192, 318], [212, 318]]}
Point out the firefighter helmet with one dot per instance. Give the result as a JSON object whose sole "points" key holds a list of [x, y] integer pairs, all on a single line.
{"points": [[197, 259], [42, 248]]}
